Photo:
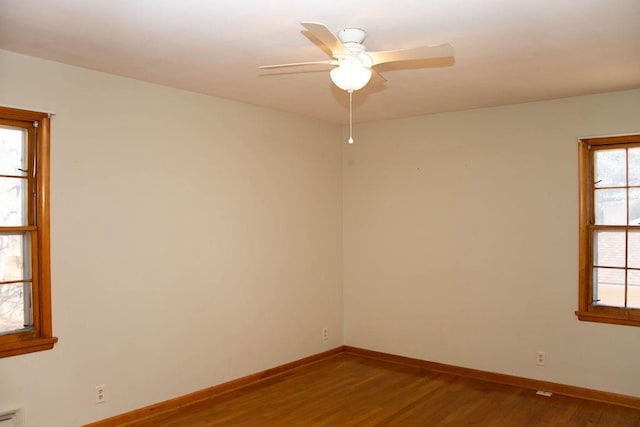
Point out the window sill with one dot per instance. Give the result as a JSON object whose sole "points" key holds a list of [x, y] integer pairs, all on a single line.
{"points": [[589, 316], [27, 346]]}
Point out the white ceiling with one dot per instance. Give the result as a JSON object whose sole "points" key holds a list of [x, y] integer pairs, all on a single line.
{"points": [[507, 51]]}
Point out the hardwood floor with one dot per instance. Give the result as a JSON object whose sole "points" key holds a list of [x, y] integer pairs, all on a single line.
{"points": [[349, 390]]}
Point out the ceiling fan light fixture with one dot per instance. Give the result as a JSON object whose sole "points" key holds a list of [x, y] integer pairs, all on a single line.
{"points": [[349, 76]]}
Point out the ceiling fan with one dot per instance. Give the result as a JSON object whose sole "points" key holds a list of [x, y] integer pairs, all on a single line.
{"points": [[353, 63]]}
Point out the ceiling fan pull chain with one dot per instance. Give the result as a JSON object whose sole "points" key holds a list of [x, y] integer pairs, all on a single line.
{"points": [[350, 117]]}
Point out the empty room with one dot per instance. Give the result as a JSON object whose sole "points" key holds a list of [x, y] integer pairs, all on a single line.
{"points": [[276, 213]]}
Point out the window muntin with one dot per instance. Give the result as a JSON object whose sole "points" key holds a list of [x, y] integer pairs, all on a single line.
{"points": [[25, 302], [609, 273]]}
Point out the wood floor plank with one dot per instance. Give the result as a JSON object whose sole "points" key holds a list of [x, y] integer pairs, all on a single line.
{"points": [[350, 390]]}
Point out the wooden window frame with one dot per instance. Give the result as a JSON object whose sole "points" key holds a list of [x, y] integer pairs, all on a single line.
{"points": [[39, 337], [587, 310]]}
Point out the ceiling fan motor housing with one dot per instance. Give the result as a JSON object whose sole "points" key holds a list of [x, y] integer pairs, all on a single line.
{"points": [[352, 35], [352, 39]]}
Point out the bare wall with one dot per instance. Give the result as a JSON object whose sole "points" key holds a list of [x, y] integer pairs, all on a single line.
{"points": [[194, 241], [460, 241]]}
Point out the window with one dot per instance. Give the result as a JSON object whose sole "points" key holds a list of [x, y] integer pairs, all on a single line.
{"points": [[25, 297], [609, 273]]}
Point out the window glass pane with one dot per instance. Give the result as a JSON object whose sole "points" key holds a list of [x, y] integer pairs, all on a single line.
{"points": [[608, 287], [15, 257], [634, 166], [633, 249], [609, 248], [633, 289], [611, 207], [610, 168], [12, 151], [634, 206], [12, 306], [13, 201]]}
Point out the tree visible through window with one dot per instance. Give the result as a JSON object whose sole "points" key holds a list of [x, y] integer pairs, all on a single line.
{"points": [[25, 302], [609, 271]]}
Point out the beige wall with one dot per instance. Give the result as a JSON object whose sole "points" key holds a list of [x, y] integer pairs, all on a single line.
{"points": [[194, 241], [460, 241]]}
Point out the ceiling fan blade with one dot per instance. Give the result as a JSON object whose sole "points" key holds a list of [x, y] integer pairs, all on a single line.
{"points": [[422, 52], [324, 34], [297, 64], [378, 75]]}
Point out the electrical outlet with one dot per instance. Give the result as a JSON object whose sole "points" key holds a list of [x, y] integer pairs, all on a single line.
{"points": [[325, 334], [540, 358], [100, 396]]}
